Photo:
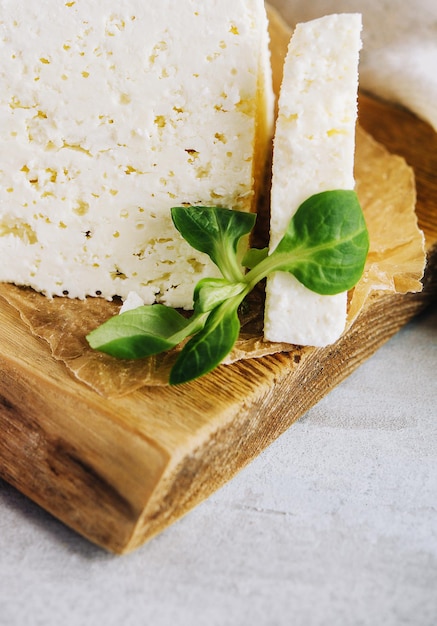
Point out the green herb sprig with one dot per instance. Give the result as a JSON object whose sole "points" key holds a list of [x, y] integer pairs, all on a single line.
{"points": [[325, 248]]}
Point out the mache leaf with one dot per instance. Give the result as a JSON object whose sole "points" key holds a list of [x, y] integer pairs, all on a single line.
{"points": [[216, 232], [254, 256], [205, 350], [326, 243], [141, 332], [209, 293]]}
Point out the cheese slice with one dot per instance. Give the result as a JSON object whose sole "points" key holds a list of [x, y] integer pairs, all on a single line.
{"points": [[314, 147], [110, 114]]}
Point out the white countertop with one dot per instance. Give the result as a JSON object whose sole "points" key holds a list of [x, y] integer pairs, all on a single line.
{"points": [[336, 524]]}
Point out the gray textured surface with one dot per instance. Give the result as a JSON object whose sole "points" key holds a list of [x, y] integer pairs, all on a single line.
{"points": [[336, 524]]}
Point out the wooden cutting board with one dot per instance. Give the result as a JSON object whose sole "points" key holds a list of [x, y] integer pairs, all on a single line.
{"points": [[119, 471]]}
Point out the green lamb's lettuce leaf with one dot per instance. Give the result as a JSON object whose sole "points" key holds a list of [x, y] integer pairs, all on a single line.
{"points": [[142, 332], [215, 231], [254, 256], [209, 346], [329, 235], [209, 293], [325, 247]]}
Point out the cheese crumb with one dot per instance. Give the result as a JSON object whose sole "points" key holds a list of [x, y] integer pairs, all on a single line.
{"points": [[133, 301]]}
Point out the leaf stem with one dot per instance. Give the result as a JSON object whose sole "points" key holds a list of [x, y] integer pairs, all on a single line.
{"points": [[229, 266], [272, 263], [197, 322]]}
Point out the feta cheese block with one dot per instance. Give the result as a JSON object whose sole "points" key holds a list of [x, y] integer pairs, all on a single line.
{"points": [[314, 148], [110, 114]]}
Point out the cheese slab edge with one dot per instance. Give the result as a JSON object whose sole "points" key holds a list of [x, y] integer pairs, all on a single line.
{"points": [[314, 146], [110, 114]]}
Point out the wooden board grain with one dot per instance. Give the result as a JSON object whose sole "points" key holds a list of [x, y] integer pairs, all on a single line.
{"points": [[119, 471]]}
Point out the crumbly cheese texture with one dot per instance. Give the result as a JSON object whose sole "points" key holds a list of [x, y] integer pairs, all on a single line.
{"points": [[110, 114], [314, 148]]}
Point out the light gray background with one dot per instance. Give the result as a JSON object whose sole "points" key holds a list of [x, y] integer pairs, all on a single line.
{"points": [[334, 524]]}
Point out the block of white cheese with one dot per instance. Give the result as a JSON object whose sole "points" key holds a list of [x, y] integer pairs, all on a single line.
{"points": [[110, 114], [314, 147]]}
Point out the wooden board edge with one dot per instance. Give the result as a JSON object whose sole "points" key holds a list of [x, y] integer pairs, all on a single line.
{"points": [[52, 451], [175, 486], [259, 423]]}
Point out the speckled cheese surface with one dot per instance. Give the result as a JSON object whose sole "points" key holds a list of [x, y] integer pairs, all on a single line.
{"points": [[314, 147], [110, 114]]}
